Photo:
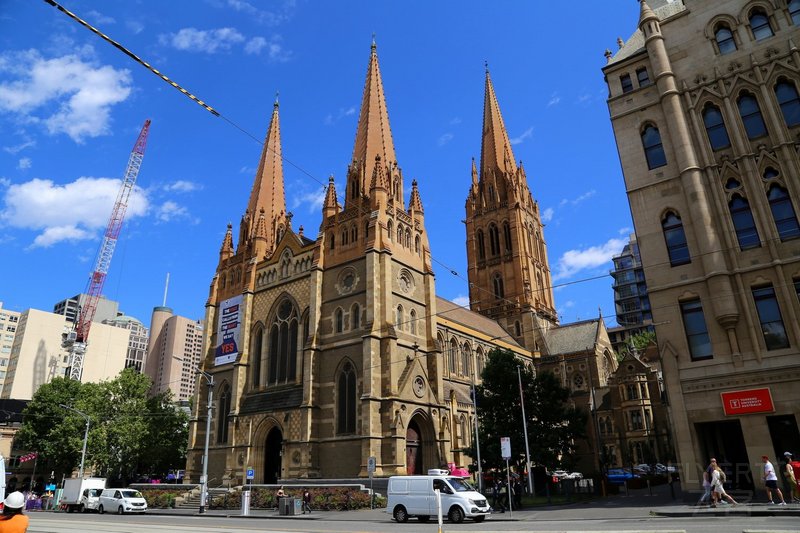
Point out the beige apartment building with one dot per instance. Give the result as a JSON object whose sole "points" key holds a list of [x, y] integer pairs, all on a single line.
{"points": [[9, 320], [37, 356], [173, 353], [705, 108]]}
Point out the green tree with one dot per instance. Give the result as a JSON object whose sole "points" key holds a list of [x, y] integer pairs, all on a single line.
{"points": [[639, 342], [553, 425], [167, 439]]}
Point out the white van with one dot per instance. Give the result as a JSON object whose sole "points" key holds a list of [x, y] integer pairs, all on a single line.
{"points": [[414, 496], [121, 501]]}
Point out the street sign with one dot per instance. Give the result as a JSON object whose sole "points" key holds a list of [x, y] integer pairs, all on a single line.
{"points": [[505, 448], [251, 473], [371, 465]]}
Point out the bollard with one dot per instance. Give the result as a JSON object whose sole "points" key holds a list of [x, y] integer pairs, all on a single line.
{"points": [[245, 503]]}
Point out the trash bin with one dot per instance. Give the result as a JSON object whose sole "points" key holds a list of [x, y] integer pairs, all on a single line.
{"points": [[290, 506]]}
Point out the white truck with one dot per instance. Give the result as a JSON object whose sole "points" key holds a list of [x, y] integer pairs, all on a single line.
{"points": [[82, 494]]}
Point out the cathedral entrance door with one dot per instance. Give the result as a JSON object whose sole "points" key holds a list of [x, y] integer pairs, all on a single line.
{"points": [[413, 449], [272, 458]]}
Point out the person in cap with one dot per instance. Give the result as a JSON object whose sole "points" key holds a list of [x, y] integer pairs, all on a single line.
{"points": [[791, 472], [12, 520], [771, 481]]}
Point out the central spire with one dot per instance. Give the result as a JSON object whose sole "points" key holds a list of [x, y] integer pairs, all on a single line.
{"points": [[268, 190], [496, 151], [373, 134]]}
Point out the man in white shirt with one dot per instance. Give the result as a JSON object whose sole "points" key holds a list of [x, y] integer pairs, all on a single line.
{"points": [[771, 480]]}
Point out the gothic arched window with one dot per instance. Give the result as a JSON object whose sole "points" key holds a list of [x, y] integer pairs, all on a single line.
{"points": [[256, 354], [743, 223], [452, 356], [479, 360], [481, 245], [283, 345], [355, 317], [466, 360], [398, 317], [715, 128], [416, 244], [789, 101], [507, 236], [224, 414], [400, 234], [675, 237], [653, 148], [497, 285], [338, 321], [413, 322], [794, 11], [354, 233], [725, 41], [783, 213], [751, 116], [389, 228], [494, 240], [759, 24], [346, 400]]}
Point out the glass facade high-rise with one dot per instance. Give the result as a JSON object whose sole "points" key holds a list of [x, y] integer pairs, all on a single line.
{"points": [[631, 303]]}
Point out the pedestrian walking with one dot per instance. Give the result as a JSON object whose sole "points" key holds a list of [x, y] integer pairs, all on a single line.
{"points": [[792, 473], [12, 520], [708, 494], [718, 479], [771, 481], [497, 499], [306, 501]]}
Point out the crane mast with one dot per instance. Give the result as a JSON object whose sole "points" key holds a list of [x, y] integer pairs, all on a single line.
{"points": [[76, 340]]}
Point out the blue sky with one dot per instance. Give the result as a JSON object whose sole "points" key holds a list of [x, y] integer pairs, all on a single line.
{"points": [[71, 107]]}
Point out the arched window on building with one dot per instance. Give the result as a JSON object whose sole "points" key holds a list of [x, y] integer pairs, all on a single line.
{"points": [[283, 345], [224, 414], [466, 360], [751, 116], [759, 24], [725, 41], [783, 212], [333, 241], [743, 223], [517, 328], [389, 229], [354, 233], [398, 317], [338, 319], [507, 236], [400, 234], [675, 237], [479, 360], [256, 354], [413, 321], [497, 285], [464, 431], [494, 240], [452, 356], [481, 245], [346, 400], [794, 11], [355, 316], [715, 128], [653, 147], [787, 96], [416, 244], [344, 236]]}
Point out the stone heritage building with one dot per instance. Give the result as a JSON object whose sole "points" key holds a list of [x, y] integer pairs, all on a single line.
{"points": [[325, 352], [705, 108]]}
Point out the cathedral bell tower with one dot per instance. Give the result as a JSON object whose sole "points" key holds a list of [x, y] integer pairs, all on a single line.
{"points": [[509, 274]]}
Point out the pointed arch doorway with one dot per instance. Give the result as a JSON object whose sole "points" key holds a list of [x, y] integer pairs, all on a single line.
{"points": [[414, 449], [272, 456]]}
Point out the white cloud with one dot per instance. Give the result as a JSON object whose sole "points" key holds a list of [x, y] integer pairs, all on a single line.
{"points": [[525, 134], [625, 231], [312, 200], [79, 94], [5, 182], [582, 99], [461, 300], [584, 196], [135, 26], [574, 261], [276, 52], [255, 45], [24, 163], [547, 215], [269, 18], [99, 18], [72, 211], [170, 210], [455, 121], [14, 150], [554, 100], [332, 119], [183, 186], [247, 170], [209, 41], [444, 139]]}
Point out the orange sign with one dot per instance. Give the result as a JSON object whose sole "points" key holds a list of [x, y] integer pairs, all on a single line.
{"points": [[745, 402]]}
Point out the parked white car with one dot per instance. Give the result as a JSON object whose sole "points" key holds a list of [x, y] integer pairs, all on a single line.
{"points": [[559, 474], [121, 501], [574, 475], [414, 496]]}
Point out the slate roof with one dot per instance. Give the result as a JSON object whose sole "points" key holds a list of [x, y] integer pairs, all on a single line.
{"points": [[462, 391], [571, 338], [663, 9], [455, 313]]}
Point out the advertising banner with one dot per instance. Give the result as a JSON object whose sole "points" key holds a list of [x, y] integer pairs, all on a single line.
{"points": [[228, 330]]}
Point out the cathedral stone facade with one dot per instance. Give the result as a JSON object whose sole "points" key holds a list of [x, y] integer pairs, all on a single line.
{"points": [[328, 351]]}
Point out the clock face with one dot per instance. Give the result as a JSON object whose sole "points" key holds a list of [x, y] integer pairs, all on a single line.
{"points": [[419, 386]]}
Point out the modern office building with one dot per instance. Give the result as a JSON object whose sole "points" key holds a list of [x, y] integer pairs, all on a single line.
{"points": [[137, 346], [37, 355], [9, 321], [705, 108], [173, 353], [70, 307]]}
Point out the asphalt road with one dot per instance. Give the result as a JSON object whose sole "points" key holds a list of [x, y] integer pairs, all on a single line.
{"points": [[377, 523]]}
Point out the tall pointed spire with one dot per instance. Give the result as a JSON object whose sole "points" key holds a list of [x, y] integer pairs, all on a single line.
{"points": [[415, 202], [330, 206], [495, 148], [226, 250], [373, 134], [268, 188]]}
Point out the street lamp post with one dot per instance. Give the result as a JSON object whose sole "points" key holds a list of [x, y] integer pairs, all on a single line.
{"points": [[204, 478], [85, 434]]}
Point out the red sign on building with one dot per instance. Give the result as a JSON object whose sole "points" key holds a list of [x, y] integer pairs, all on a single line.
{"points": [[745, 402]]}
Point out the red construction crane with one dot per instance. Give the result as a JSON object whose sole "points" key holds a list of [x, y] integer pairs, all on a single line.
{"points": [[76, 340]]}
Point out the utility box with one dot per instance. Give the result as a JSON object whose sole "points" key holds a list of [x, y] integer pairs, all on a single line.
{"points": [[290, 506]]}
